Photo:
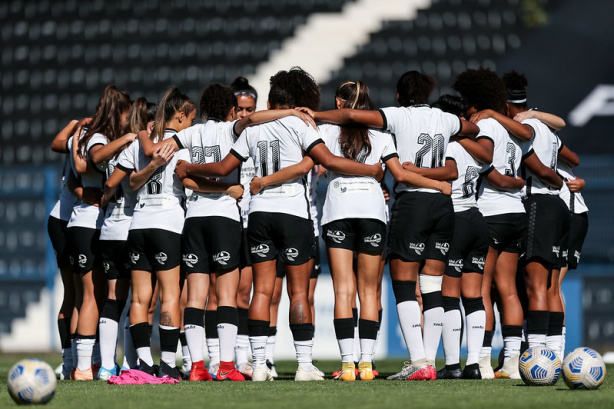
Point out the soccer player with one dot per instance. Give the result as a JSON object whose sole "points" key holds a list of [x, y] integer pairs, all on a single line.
{"points": [[422, 220], [279, 216], [154, 239], [90, 153]]}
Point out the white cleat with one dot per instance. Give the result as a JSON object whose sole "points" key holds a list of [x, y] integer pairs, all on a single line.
{"points": [[407, 370], [303, 375], [261, 375], [509, 370], [271, 366], [486, 368], [322, 374]]}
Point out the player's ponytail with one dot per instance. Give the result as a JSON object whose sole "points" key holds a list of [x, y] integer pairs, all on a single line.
{"points": [[171, 103], [516, 87], [354, 140], [141, 113]]}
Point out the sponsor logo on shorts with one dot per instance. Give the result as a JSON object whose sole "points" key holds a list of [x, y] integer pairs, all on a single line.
{"points": [[556, 250], [374, 240], [417, 247], [576, 254], [190, 259], [291, 253], [222, 257], [479, 261], [82, 260], [456, 264], [260, 250], [496, 241], [336, 235], [134, 257], [565, 254], [161, 257], [106, 266], [443, 247]]}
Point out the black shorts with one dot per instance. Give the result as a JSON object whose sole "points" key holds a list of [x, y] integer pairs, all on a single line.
{"points": [[362, 235], [506, 231], [57, 231], [421, 226], [269, 234], [211, 244], [154, 249], [246, 259], [85, 246], [315, 270], [578, 228], [547, 223], [470, 244], [115, 260]]}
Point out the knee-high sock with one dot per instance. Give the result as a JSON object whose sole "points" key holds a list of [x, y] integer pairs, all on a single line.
{"points": [[85, 347], [537, 327], [193, 324], [451, 334], [108, 328], [344, 330], [476, 322], [242, 345], [368, 334], [303, 344], [169, 337], [432, 309], [141, 339], [227, 326], [130, 357], [409, 318], [258, 334]]}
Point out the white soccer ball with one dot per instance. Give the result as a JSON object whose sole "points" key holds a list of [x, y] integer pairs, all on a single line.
{"points": [[31, 381], [583, 368], [539, 366]]}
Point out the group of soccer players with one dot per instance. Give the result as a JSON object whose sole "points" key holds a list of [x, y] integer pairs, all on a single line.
{"points": [[206, 220]]}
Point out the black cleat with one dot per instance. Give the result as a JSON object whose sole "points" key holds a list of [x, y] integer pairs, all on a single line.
{"points": [[472, 372], [172, 372], [150, 370], [450, 372]]}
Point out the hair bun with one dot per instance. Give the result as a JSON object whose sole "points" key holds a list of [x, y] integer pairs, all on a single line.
{"points": [[240, 82]]}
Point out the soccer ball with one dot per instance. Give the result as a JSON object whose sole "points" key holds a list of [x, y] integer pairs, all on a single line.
{"points": [[31, 381], [583, 368], [539, 366]]}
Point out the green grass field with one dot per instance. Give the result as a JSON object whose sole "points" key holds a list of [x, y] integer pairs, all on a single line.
{"points": [[285, 393]]}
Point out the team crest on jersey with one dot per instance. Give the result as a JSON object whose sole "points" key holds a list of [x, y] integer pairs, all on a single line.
{"points": [[374, 240], [291, 253], [456, 264], [443, 247], [556, 250], [336, 235], [106, 266], [260, 250], [134, 257], [161, 257], [478, 261], [222, 257], [190, 259], [82, 260], [417, 247]]}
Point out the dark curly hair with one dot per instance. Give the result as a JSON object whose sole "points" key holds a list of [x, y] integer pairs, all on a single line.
{"points": [[482, 89], [516, 87], [415, 88], [216, 101], [452, 104], [294, 88]]}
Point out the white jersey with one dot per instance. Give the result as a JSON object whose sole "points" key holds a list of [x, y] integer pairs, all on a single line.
{"points": [[356, 196], [506, 159], [85, 215], [118, 216], [545, 144], [422, 134], [159, 202], [573, 200], [63, 207], [464, 188], [208, 143], [274, 146], [247, 174]]}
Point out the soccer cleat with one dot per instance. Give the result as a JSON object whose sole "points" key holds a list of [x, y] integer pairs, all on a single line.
{"points": [[150, 370], [485, 365], [322, 374], [232, 374], [105, 374], [509, 370], [312, 375], [198, 372], [261, 374], [472, 372], [64, 373], [246, 369], [87, 375], [375, 373], [347, 372], [410, 372], [167, 370], [403, 374], [271, 367], [450, 372], [365, 371]]}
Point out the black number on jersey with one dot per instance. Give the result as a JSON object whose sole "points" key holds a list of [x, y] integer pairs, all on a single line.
{"points": [[434, 145], [119, 191], [154, 184], [362, 156], [263, 156], [555, 154], [511, 160], [471, 177]]}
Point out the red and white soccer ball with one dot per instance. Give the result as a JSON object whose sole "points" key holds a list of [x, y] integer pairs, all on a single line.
{"points": [[31, 381]]}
